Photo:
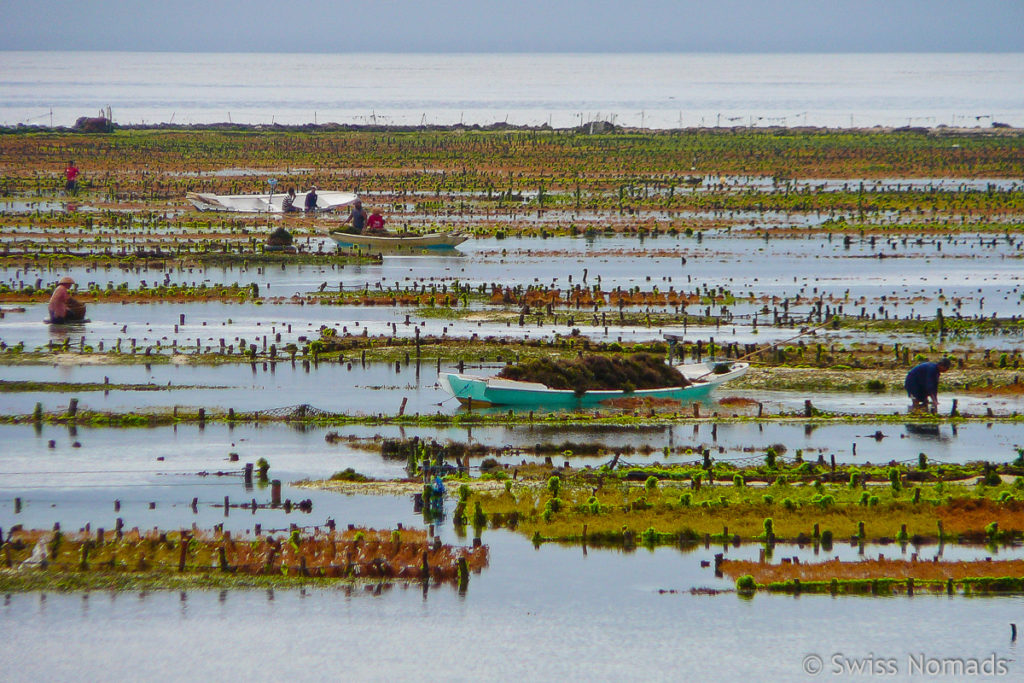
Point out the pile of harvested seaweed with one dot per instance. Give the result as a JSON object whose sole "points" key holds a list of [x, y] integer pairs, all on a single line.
{"points": [[624, 373]]}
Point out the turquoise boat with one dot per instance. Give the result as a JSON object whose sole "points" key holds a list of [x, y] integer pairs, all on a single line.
{"points": [[498, 391]]}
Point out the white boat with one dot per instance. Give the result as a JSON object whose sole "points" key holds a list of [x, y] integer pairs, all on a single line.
{"points": [[266, 203], [498, 391], [433, 240]]}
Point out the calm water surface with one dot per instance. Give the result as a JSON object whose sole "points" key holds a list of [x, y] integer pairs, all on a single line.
{"points": [[642, 90], [595, 617]]}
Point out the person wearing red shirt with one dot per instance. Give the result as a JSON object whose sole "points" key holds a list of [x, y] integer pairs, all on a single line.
{"points": [[375, 223], [71, 173]]}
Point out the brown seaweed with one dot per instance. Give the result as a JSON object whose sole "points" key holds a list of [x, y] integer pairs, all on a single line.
{"points": [[598, 372]]}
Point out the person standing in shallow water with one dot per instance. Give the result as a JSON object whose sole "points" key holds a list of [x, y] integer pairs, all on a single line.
{"points": [[71, 178], [922, 384]]}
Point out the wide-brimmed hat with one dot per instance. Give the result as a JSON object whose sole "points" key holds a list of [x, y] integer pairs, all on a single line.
{"points": [[66, 280]]}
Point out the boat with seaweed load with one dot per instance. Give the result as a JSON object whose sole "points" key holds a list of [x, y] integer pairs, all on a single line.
{"points": [[266, 203], [500, 391]]}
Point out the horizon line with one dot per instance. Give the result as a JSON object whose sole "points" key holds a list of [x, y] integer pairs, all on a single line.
{"points": [[519, 52]]}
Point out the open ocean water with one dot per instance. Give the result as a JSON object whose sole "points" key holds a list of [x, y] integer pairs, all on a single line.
{"points": [[635, 90]]}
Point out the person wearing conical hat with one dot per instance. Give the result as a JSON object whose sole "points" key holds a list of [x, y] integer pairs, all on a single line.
{"points": [[61, 300]]}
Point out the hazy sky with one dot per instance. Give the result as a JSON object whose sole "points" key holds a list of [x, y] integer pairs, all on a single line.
{"points": [[515, 25]]}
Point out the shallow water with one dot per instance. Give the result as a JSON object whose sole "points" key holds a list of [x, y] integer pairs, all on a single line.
{"points": [[156, 473], [353, 388], [334, 387], [970, 268], [527, 610], [131, 456], [971, 275], [209, 322], [212, 321]]}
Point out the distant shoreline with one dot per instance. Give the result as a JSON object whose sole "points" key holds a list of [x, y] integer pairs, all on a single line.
{"points": [[592, 128]]}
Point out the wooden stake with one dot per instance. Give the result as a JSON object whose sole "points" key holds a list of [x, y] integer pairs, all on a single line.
{"points": [[182, 555]]}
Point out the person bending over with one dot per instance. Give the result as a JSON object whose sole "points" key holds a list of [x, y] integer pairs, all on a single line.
{"points": [[922, 384], [357, 217]]}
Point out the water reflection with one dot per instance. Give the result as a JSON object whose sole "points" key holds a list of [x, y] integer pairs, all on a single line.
{"points": [[926, 432]]}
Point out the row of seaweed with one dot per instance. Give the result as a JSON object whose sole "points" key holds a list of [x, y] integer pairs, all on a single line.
{"points": [[775, 502], [627, 414], [876, 577], [352, 554]]}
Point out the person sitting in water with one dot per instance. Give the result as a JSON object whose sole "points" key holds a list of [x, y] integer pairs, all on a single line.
{"points": [[374, 224], [288, 204], [311, 199], [922, 384], [357, 217], [63, 307]]}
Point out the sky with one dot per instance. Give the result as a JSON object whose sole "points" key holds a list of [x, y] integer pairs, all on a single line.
{"points": [[338, 26]]}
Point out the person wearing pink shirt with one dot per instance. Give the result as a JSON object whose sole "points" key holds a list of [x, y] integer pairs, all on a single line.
{"points": [[374, 224]]}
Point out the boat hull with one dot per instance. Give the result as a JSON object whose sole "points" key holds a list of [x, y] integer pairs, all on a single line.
{"points": [[494, 391], [434, 240]]}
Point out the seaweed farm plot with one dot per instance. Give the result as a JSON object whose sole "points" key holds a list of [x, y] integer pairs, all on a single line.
{"points": [[379, 394], [574, 597], [169, 476], [902, 269], [738, 444], [879, 576], [157, 330], [242, 439], [721, 502], [192, 558]]}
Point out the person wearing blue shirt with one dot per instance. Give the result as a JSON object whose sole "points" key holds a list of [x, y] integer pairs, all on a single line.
{"points": [[311, 199], [357, 217], [922, 384]]}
